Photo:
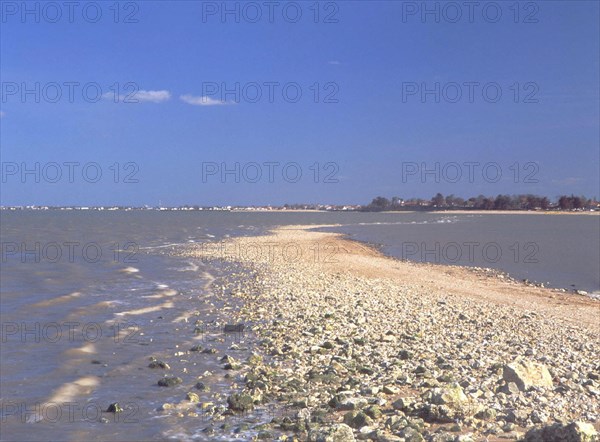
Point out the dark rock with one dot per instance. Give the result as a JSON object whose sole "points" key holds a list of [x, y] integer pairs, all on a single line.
{"points": [[240, 402], [405, 355], [357, 419], [159, 364], [373, 411], [170, 381], [509, 388], [202, 386], [233, 328], [114, 408]]}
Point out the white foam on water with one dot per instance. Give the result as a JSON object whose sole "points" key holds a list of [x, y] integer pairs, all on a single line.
{"points": [[182, 318], [192, 267], [57, 300], [162, 246], [67, 393], [142, 311], [209, 280], [595, 295], [86, 349], [130, 270], [162, 294]]}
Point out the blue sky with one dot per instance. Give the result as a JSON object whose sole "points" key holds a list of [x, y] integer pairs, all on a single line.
{"points": [[366, 130]]}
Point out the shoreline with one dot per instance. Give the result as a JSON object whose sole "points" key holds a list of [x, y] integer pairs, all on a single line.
{"points": [[492, 212], [360, 344], [489, 271]]}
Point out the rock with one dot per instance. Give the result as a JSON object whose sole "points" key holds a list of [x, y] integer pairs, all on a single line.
{"points": [[192, 397], [390, 389], [303, 415], [196, 348], [254, 359], [404, 403], [366, 370], [443, 437], [526, 374], [516, 416], [170, 381], [373, 411], [456, 428], [447, 404], [488, 414], [509, 388], [451, 395], [228, 360], [353, 403], [240, 402], [159, 364], [537, 417], [114, 408], [405, 355], [335, 433], [508, 427], [233, 328], [411, 435], [397, 421], [573, 432], [357, 419], [202, 386]]}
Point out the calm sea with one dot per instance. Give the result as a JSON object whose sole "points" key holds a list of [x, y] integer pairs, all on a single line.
{"points": [[86, 297]]}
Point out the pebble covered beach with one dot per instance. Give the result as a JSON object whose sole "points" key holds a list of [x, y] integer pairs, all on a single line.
{"points": [[353, 345]]}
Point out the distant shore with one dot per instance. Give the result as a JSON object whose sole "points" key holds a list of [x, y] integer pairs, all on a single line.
{"points": [[449, 212], [282, 210], [514, 212]]}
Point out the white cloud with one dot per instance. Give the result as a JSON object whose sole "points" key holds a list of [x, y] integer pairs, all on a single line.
{"points": [[152, 96], [335, 62], [140, 96], [202, 100]]}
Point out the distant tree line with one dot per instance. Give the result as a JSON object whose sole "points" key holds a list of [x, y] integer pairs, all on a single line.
{"points": [[481, 202]]}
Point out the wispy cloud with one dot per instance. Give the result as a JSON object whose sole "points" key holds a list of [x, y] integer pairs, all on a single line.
{"points": [[152, 96], [141, 96], [334, 62], [2, 114], [202, 100]]}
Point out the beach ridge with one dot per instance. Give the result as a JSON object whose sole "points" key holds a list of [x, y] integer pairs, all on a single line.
{"points": [[385, 348]]}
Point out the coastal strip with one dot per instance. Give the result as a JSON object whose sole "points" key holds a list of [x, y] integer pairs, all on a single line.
{"points": [[357, 345]]}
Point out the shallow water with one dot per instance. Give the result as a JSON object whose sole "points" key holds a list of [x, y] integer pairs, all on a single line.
{"points": [[561, 251], [87, 297]]}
